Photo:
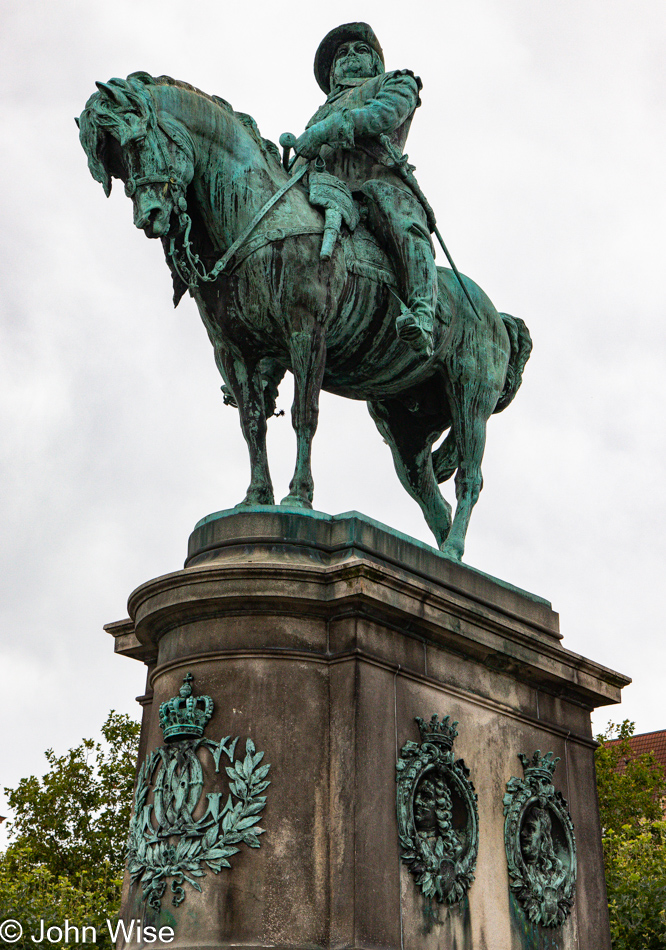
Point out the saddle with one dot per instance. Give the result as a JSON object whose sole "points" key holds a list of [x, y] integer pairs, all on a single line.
{"points": [[363, 254]]}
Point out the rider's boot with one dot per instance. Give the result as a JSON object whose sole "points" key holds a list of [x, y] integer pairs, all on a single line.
{"points": [[415, 324], [397, 217]]}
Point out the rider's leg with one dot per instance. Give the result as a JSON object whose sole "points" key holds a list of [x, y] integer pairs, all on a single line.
{"points": [[398, 220]]}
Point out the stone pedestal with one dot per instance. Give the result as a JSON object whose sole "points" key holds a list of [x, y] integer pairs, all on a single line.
{"points": [[322, 638]]}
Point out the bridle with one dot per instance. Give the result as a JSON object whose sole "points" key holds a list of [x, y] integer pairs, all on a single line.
{"points": [[178, 188], [186, 263], [133, 183]]}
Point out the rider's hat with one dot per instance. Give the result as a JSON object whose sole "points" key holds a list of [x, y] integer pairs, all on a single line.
{"points": [[328, 46]]}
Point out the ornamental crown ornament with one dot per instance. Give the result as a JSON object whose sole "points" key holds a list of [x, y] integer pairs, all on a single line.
{"points": [[539, 766], [185, 716], [441, 733]]}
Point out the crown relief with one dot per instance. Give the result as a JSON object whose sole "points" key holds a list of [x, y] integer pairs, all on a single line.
{"points": [[539, 766], [181, 827], [185, 716], [442, 733]]}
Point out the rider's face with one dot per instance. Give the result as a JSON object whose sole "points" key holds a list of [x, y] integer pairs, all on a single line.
{"points": [[353, 60]]}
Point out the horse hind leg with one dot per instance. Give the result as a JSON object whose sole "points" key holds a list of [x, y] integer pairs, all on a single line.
{"points": [[445, 458], [308, 360], [469, 431], [411, 446]]}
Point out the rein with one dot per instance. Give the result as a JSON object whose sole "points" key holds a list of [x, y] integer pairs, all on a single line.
{"points": [[196, 268]]}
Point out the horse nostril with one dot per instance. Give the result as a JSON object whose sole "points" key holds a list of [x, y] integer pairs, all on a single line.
{"points": [[147, 217]]}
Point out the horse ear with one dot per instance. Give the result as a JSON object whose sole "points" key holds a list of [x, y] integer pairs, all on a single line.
{"points": [[76, 119], [113, 93]]}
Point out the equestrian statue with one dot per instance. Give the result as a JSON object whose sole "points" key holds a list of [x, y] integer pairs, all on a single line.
{"points": [[322, 264]]}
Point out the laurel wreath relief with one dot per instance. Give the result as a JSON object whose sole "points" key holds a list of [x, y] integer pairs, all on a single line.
{"points": [[166, 841]]}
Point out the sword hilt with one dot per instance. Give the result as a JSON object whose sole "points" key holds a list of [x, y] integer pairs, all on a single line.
{"points": [[287, 141]]}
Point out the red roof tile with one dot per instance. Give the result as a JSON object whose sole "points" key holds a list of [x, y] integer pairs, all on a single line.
{"points": [[648, 742]]}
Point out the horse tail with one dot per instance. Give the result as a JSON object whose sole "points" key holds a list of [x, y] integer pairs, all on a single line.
{"points": [[521, 347], [445, 458]]}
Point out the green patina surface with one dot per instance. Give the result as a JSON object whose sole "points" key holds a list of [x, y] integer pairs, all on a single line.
{"points": [[322, 266], [532, 936]]}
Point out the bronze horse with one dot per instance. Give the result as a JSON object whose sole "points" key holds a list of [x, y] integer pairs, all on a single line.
{"points": [[198, 174]]}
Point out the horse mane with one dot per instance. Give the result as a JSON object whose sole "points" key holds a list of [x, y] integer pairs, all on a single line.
{"points": [[124, 107], [268, 148]]}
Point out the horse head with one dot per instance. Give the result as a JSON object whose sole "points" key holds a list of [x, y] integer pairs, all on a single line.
{"points": [[126, 137]]}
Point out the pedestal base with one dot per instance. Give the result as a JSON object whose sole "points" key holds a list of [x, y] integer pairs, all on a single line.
{"points": [[322, 638]]}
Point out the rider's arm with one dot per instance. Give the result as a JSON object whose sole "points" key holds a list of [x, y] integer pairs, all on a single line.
{"points": [[394, 102]]}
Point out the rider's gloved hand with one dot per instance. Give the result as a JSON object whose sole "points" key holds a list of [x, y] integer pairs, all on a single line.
{"points": [[336, 130]]}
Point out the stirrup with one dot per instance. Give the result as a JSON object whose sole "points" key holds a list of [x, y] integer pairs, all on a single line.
{"points": [[411, 330]]}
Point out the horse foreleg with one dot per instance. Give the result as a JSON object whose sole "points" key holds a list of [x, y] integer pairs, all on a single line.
{"points": [[246, 386], [411, 446], [308, 359]]}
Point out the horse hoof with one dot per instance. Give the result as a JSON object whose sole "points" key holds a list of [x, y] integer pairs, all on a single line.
{"points": [[452, 551], [293, 501], [250, 501]]}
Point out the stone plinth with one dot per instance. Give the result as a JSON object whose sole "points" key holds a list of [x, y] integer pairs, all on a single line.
{"points": [[322, 638]]}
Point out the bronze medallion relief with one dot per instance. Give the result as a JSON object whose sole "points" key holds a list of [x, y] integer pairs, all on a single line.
{"points": [[438, 822], [540, 843]]}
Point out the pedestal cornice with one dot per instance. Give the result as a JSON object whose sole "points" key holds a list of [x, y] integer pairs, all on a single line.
{"points": [[307, 565]]}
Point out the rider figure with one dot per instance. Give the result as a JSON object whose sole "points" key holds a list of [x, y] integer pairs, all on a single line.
{"points": [[365, 118]]}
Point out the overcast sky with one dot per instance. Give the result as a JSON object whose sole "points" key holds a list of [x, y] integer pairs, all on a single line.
{"points": [[541, 145]]}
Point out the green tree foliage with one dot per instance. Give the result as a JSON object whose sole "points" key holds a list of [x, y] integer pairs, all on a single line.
{"points": [[632, 794], [68, 834], [636, 881], [30, 892]]}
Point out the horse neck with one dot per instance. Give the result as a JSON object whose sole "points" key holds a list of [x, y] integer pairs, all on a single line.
{"points": [[233, 178]]}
